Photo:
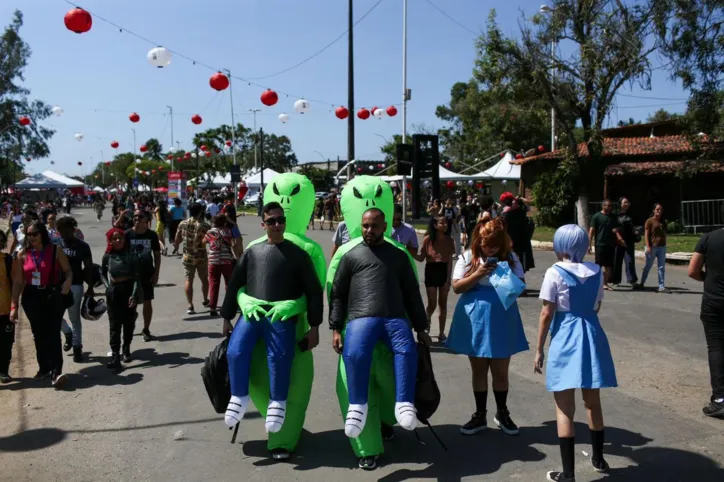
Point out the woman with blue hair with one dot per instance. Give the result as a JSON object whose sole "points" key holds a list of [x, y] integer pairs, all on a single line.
{"points": [[579, 356]]}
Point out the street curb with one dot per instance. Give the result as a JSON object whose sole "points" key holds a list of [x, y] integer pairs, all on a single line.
{"points": [[671, 258]]}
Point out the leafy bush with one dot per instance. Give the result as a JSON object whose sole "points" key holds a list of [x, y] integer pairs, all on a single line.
{"points": [[553, 196], [674, 227]]}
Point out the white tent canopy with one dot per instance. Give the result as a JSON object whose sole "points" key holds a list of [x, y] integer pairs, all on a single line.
{"points": [[65, 180], [39, 181], [445, 175], [252, 179], [502, 170], [98, 189], [255, 178]]}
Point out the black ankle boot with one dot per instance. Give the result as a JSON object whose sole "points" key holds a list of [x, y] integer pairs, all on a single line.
{"points": [[68, 342], [127, 354], [78, 354], [115, 362]]}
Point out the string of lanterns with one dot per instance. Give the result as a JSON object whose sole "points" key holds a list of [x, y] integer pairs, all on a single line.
{"points": [[80, 21]]}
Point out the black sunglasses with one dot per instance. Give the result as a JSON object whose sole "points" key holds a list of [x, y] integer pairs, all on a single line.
{"points": [[274, 221], [32, 233]]}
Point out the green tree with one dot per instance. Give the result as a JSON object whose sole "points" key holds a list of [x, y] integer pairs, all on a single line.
{"points": [[605, 45], [322, 179], [690, 35], [630, 122], [662, 115], [18, 142], [155, 150], [278, 153]]}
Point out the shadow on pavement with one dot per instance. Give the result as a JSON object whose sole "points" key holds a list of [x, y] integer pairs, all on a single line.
{"points": [[28, 440], [150, 358], [487, 452], [189, 335]]}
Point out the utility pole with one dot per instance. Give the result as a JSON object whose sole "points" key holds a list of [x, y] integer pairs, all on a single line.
{"points": [[256, 137], [405, 98], [103, 168], [233, 130], [350, 90], [261, 166], [170, 111], [138, 185]]}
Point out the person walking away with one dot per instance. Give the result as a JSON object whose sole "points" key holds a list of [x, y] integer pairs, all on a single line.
{"points": [[212, 209], [221, 258], [195, 258], [340, 237], [579, 356], [40, 268], [121, 274], [603, 232], [162, 216], [626, 248], [482, 328], [144, 243], [655, 237], [230, 211], [81, 262], [403, 233], [99, 206], [468, 215], [177, 215], [330, 211], [7, 327], [437, 253], [707, 265], [451, 214], [319, 211], [518, 229]]}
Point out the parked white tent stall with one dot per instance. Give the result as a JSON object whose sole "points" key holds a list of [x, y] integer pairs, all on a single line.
{"points": [[67, 182], [502, 177]]}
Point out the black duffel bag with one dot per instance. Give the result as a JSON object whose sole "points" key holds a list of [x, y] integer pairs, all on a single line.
{"points": [[215, 374]]}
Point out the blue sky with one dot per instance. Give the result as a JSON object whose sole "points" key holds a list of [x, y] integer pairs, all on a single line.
{"points": [[102, 76]]}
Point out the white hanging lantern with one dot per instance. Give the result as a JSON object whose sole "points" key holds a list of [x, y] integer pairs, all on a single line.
{"points": [[379, 113], [159, 57], [193, 155], [470, 182], [504, 181], [57, 111], [78, 137], [372, 168], [393, 184], [284, 118], [301, 106], [460, 183], [173, 150], [138, 161], [426, 183]]}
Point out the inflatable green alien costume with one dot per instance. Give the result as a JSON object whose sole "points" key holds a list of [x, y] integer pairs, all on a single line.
{"points": [[359, 195], [296, 195]]}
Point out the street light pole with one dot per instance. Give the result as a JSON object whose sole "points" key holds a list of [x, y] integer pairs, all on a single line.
{"points": [[547, 10], [350, 90], [170, 110], [256, 137], [233, 130], [404, 102], [134, 159]]}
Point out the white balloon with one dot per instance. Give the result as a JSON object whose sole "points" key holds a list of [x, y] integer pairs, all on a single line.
{"points": [[379, 113], [159, 57], [138, 161], [58, 111], [460, 183], [470, 182], [504, 181], [393, 184], [372, 168], [284, 118], [173, 149], [78, 137], [301, 106], [426, 183], [193, 154]]}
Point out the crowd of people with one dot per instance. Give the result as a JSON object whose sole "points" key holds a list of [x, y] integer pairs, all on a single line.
{"points": [[469, 246]]}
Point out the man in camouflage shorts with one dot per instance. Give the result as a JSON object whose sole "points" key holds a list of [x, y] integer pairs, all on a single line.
{"points": [[195, 259]]}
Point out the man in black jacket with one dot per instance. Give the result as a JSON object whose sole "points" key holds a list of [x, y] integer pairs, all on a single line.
{"points": [[376, 289]]}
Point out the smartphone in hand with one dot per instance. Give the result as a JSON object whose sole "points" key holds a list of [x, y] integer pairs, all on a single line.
{"points": [[492, 261]]}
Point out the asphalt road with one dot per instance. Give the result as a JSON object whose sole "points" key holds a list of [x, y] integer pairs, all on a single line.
{"points": [[154, 421]]}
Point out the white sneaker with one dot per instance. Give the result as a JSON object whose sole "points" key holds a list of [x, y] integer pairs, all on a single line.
{"points": [[406, 415], [356, 419], [235, 410], [276, 413]]}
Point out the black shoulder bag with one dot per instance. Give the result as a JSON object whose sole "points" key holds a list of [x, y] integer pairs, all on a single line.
{"points": [[64, 301]]}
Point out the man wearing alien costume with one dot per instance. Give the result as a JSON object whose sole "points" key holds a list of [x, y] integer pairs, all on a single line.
{"points": [[375, 303], [295, 195]]}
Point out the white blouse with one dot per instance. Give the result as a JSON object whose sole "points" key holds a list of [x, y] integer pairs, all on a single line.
{"points": [[555, 290], [463, 265]]}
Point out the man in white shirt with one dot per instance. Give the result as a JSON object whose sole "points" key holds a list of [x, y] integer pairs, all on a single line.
{"points": [[212, 209]]}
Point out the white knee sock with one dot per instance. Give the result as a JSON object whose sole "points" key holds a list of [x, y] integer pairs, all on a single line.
{"points": [[356, 419], [406, 415], [235, 410], [276, 413]]}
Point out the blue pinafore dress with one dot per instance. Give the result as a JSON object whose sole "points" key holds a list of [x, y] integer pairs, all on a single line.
{"points": [[483, 328], [579, 355]]}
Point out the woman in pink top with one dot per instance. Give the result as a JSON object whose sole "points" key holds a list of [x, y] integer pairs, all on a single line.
{"points": [[42, 266]]}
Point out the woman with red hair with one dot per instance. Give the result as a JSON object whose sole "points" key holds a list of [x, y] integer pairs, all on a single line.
{"points": [[121, 273], [482, 328]]}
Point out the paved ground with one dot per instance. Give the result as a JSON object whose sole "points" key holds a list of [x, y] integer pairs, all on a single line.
{"points": [[125, 427]]}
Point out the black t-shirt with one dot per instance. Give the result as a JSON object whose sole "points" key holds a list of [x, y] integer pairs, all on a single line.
{"points": [[77, 251], [603, 226], [711, 245], [144, 245], [230, 212], [626, 228]]}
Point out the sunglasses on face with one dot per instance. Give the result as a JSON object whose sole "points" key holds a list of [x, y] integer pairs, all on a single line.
{"points": [[281, 220], [32, 234]]}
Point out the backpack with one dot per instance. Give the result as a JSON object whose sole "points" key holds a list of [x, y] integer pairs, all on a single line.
{"points": [[215, 374], [427, 393]]}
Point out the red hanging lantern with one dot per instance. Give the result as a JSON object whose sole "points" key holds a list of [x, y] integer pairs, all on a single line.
{"points": [[134, 117], [196, 119], [380, 166], [115, 144], [143, 148], [153, 171], [24, 121], [269, 98], [187, 156], [78, 20], [341, 112], [391, 111], [541, 148], [80, 163], [502, 155], [228, 143], [359, 170], [363, 114], [203, 147], [218, 151], [372, 110], [180, 161], [179, 158], [169, 157], [219, 81], [448, 165], [450, 184], [160, 168], [519, 156], [208, 153], [108, 163]]}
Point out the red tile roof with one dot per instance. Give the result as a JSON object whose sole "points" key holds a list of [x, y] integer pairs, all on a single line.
{"points": [[662, 168], [628, 147]]}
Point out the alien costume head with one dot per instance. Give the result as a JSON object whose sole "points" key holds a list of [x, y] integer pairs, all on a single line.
{"points": [[362, 193], [295, 193]]}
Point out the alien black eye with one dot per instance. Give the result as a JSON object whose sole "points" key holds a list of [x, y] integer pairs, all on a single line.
{"points": [[378, 191], [356, 193], [296, 190], [274, 188]]}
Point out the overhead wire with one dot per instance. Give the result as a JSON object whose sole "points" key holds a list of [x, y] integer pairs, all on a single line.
{"points": [[451, 18]]}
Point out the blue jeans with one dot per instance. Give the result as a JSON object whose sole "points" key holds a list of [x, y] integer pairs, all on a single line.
{"points": [[359, 341], [659, 254], [280, 340], [74, 315]]}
